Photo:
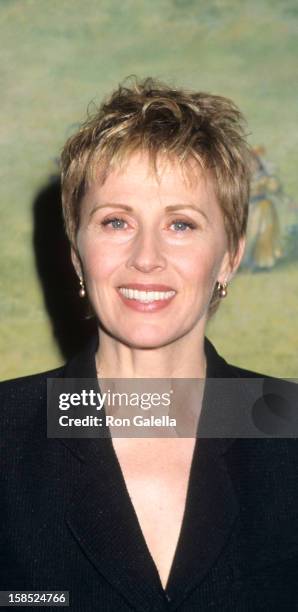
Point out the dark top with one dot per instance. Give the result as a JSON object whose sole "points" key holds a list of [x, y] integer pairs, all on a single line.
{"points": [[67, 522]]}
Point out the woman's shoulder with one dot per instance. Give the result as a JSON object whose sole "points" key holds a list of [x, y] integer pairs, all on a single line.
{"points": [[270, 383], [220, 367], [254, 404], [279, 394], [18, 393], [31, 379]]}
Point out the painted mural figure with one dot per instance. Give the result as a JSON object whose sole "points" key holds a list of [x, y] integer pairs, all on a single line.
{"points": [[264, 247]]}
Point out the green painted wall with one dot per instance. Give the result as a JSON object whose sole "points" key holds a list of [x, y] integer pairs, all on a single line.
{"points": [[58, 55]]}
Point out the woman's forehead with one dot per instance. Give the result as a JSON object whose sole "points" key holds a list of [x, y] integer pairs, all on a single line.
{"points": [[139, 169]]}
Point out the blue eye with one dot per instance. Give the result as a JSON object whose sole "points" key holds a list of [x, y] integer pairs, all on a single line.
{"points": [[184, 224], [112, 221], [117, 224]]}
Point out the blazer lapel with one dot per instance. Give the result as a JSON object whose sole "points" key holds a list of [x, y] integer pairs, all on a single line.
{"points": [[101, 516], [210, 514], [103, 522], [212, 505]]}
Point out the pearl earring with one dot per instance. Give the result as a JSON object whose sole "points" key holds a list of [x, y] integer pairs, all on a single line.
{"points": [[82, 291], [222, 289]]}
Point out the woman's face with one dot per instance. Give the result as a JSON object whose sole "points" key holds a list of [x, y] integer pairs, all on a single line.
{"points": [[162, 235]]}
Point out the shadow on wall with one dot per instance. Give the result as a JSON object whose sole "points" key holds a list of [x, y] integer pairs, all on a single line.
{"points": [[59, 282]]}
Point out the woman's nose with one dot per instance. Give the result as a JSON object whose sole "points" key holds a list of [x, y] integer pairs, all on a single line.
{"points": [[146, 252]]}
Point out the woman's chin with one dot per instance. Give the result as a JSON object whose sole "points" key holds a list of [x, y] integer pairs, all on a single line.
{"points": [[149, 340]]}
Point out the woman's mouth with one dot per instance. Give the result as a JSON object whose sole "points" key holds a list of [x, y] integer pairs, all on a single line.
{"points": [[146, 301]]}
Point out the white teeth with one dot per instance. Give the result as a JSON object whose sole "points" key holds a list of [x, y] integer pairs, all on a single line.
{"points": [[146, 296]]}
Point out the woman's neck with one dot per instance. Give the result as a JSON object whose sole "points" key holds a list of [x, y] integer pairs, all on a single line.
{"points": [[184, 359]]}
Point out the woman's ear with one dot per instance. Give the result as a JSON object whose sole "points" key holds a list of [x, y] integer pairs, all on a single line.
{"points": [[76, 261], [236, 260], [231, 262]]}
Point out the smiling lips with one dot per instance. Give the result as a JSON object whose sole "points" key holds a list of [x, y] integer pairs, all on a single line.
{"points": [[146, 298]]}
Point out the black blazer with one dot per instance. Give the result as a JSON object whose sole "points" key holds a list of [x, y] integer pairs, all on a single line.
{"points": [[67, 522]]}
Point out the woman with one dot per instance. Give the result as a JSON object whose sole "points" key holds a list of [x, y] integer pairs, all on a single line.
{"points": [[155, 196]]}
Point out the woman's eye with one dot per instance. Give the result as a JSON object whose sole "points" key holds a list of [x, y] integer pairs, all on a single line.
{"points": [[115, 222], [182, 225]]}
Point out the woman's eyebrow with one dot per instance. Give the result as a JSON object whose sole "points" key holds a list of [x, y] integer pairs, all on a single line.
{"points": [[130, 209], [110, 205], [192, 206]]}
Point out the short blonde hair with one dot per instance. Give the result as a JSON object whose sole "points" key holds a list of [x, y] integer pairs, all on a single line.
{"points": [[149, 115]]}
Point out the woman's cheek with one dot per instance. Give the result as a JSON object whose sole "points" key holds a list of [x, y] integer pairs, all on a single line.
{"points": [[95, 261]]}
